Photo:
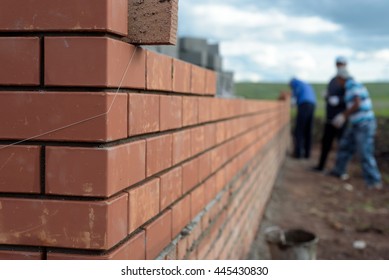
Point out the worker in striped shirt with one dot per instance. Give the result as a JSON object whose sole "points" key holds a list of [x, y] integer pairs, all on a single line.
{"points": [[359, 135]]}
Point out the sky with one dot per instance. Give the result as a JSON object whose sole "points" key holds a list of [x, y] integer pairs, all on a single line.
{"points": [[274, 40]]}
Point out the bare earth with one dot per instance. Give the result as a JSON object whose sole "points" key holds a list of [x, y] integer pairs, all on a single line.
{"points": [[339, 213]]}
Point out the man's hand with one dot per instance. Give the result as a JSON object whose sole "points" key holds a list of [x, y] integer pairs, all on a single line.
{"points": [[339, 120]]}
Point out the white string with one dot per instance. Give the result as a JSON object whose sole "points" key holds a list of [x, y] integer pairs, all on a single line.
{"points": [[84, 120]]}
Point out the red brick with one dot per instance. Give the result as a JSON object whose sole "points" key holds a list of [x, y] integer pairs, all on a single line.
{"points": [[197, 201], [20, 255], [204, 109], [216, 158], [180, 215], [210, 82], [182, 247], [181, 146], [170, 112], [20, 59], [143, 113], [93, 61], [133, 249], [190, 110], [64, 15], [59, 223], [158, 235], [209, 135], [220, 180], [94, 172], [171, 187], [20, 169], [197, 135], [143, 204], [198, 80], [153, 22], [190, 175], [210, 189], [220, 132], [181, 76], [204, 166], [159, 154], [159, 72], [80, 114]]}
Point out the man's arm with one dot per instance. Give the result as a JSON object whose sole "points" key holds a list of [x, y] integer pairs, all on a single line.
{"points": [[354, 107]]}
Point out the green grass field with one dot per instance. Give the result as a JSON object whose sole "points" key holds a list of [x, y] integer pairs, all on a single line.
{"points": [[379, 93]]}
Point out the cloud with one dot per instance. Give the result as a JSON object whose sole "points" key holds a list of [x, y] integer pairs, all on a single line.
{"points": [[274, 40]]}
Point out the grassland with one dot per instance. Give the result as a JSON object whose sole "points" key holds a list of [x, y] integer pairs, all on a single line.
{"points": [[379, 93]]}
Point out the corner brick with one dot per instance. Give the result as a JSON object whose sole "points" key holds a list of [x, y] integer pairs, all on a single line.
{"points": [[20, 59]]}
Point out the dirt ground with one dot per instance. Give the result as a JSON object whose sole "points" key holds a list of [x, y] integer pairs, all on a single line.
{"points": [[338, 212]]}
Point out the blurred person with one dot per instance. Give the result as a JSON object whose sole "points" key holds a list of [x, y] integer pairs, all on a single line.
{"points": [[305, 99], [359, 134], [335, 104]]}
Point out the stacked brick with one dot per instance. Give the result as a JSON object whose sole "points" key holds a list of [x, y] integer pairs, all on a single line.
{"points": [[109, 151]]}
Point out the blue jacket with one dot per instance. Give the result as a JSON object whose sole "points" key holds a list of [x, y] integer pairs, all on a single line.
{"points": [[302, 92]]}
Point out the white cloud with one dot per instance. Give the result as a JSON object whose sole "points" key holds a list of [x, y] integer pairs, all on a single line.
{"points": [[268, 44]]}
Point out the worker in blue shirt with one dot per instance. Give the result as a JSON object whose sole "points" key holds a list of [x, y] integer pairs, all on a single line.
{"points": [[305, 98]]}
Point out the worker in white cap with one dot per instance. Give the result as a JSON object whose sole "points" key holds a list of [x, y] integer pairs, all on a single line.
{"points": [[334, 105]]}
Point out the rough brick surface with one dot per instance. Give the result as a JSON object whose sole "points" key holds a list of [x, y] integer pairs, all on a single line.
{"points": [[159, 72], [190, 175], [198, 80], [93, 61], [143, 113], [133, 249], [82, 115], [159, 154], [20, 169], [190, 111], [181, 76], [170, 112], [158, 235], [180, 215], [64, 15], [153, 22], [171, 187], [181, 146], [87, 225], [20, 58], [143, 204]]}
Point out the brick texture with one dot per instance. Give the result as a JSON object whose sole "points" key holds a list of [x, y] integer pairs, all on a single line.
{"points": [[159, 154], [158, 235], [159, 72], [93, 61], [64, 15], [20, 169], [143, 113], [20, 59]]}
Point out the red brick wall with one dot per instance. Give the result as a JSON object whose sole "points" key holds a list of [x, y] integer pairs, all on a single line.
{"points": [[122, 153]]}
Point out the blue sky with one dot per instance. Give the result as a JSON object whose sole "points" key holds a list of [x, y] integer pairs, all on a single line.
{"points": [[273, 40]]}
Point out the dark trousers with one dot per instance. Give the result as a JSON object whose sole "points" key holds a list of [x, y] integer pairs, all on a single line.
{"points": [[329, 134], [303, 130]]}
